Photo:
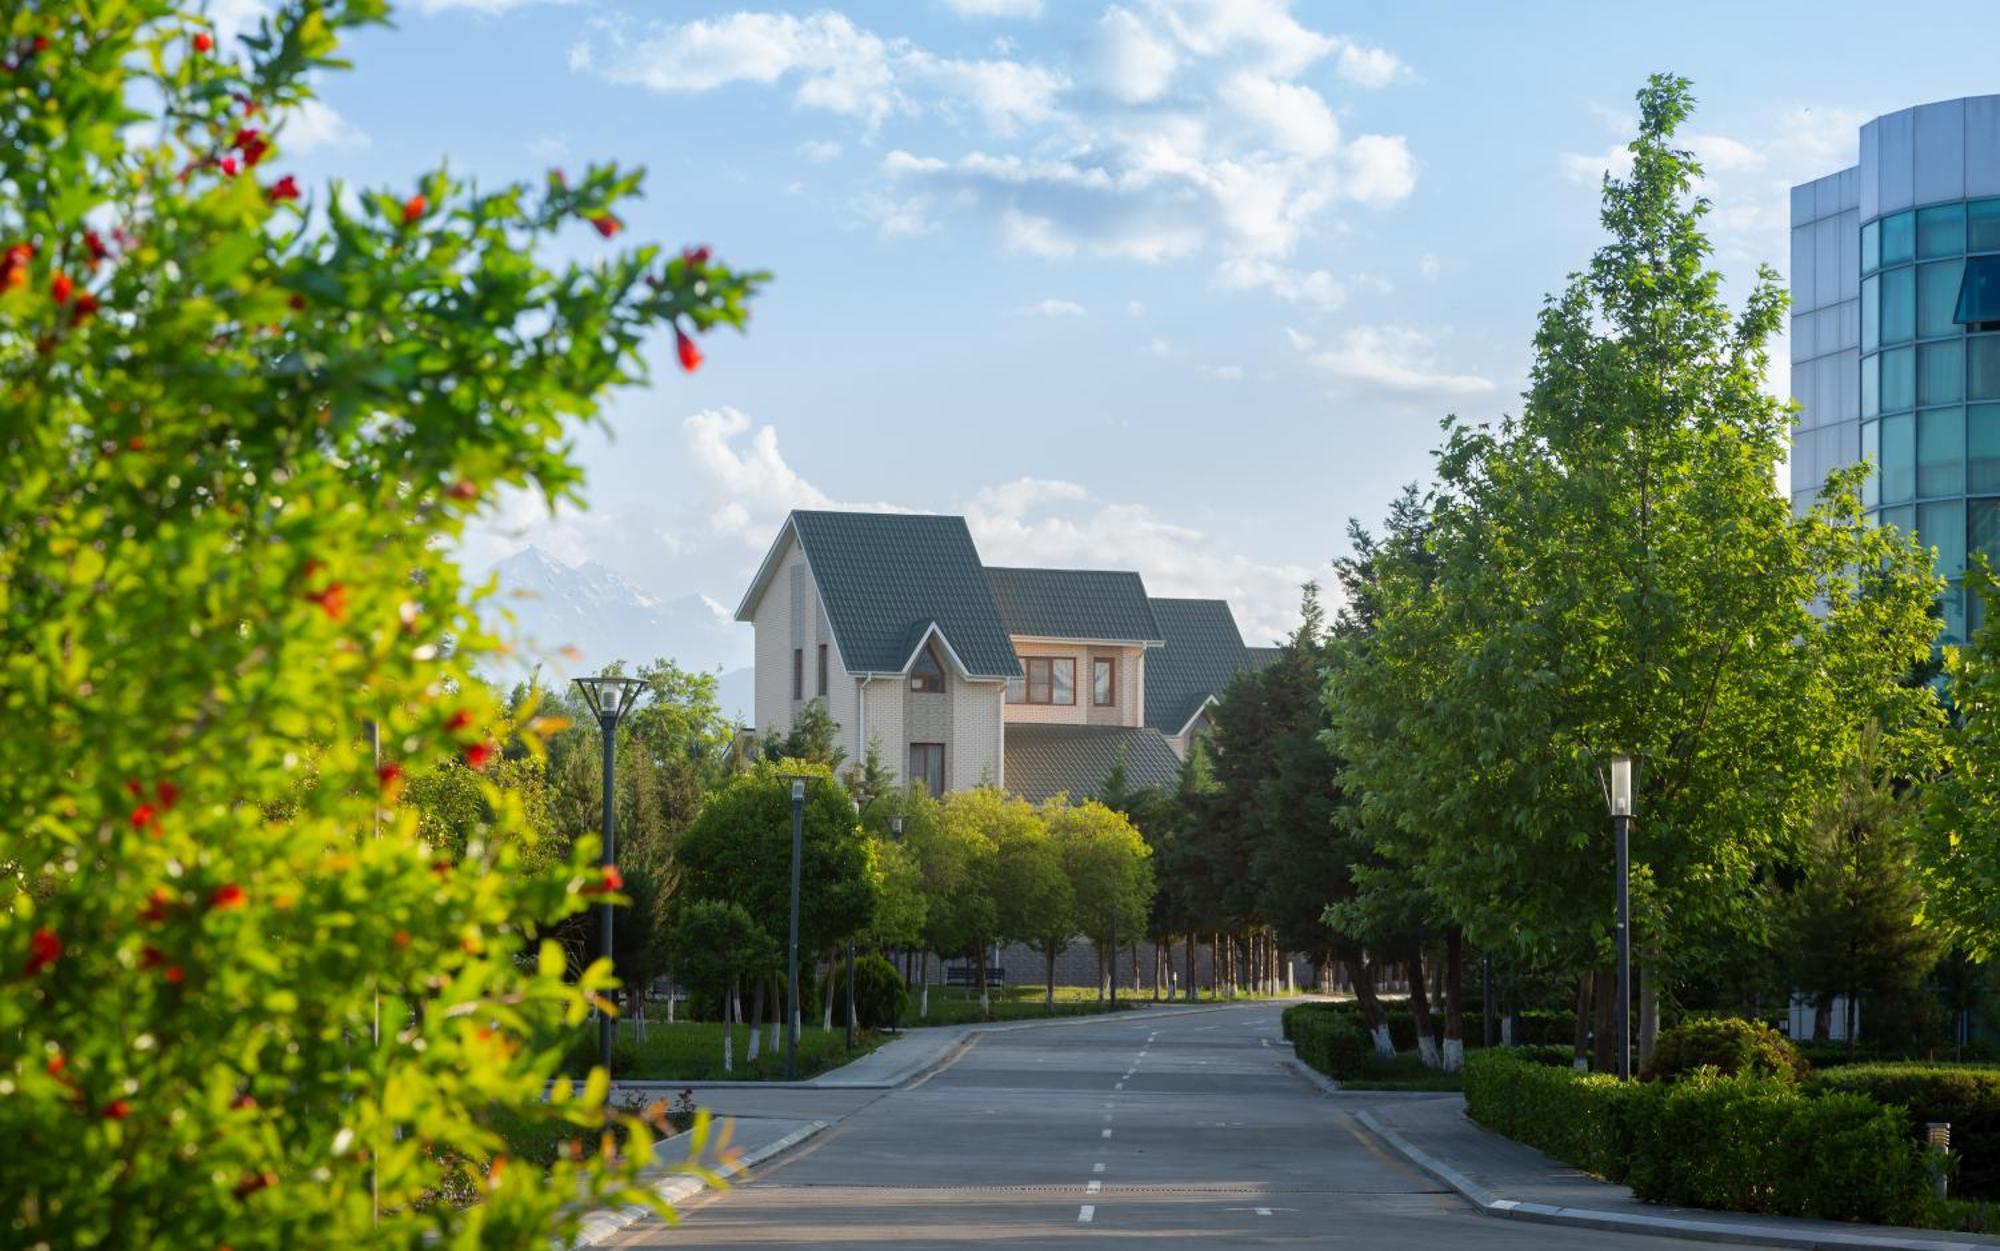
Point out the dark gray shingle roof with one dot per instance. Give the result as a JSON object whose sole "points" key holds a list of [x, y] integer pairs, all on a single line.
{"points": [[1043, 760], [1262, 657], [885, 577], [1203, 651], [1110, 605]]}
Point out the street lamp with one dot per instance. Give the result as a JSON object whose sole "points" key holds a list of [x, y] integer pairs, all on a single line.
{"points": [[609, 697], [896, 1000], [799, 784], [1621, 821]]}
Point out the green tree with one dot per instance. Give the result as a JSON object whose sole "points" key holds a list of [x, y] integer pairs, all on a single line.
{"points": [[246, 421], [1852, 927], [995, 900], [716, 945], [1616, 572], [1959, 847], [813, 737], [1109, 871]]}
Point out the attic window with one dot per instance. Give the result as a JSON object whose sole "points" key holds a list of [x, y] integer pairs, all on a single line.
{"points": [[1979, 294], [927, 675]]}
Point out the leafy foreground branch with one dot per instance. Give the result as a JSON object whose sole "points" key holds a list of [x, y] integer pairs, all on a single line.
{"points": [[241, 1001]]}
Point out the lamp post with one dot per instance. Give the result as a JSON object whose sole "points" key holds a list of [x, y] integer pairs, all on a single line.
{"points": [[610, 697], [1113, 965], [1621, 821], [896, 1000], [792, 941]]}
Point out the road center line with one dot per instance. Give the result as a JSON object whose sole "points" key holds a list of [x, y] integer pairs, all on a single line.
{"points": [[1097, 1167], [1094, 1186], [1083, 1216], [1107, 1133]]}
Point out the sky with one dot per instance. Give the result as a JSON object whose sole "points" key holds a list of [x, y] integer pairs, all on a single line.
{"points": [[1178, 286]]}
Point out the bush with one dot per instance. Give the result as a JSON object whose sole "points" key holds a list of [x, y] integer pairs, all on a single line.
{"points": [[879, 995], [1744, 1143], [1967, 1097], [1729, 1045], [1327, 1038]]}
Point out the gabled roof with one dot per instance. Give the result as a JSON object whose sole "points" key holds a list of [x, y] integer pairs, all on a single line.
{"points": [[1263, 657], [888, 579], [1106, 606], [1044, 760], [1203, 651]]}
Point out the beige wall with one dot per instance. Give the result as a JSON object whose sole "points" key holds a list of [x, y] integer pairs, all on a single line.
{"points": [[790, 616], [1130, 693], [965, 717]]}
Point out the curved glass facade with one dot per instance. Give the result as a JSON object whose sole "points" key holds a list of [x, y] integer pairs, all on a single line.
{"points": [[1930, 386]]}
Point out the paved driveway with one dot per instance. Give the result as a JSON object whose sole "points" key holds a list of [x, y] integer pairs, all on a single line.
{"points": [[1184, 1128]]}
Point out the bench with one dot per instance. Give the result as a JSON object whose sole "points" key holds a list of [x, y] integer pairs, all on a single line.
{"points": [[968, 975]]}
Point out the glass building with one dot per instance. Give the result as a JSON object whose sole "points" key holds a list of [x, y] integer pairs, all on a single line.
{"points": [[1896, 329]]}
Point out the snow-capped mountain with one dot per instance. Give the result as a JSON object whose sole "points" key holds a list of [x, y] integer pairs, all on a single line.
{"points": [[575, 619]]}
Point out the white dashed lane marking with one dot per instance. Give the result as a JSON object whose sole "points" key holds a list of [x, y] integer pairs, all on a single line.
{"points": [[1083, 1216]]}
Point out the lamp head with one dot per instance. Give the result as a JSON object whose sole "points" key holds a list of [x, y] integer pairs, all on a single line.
{"points": [[611, 696], [1621, 786]]}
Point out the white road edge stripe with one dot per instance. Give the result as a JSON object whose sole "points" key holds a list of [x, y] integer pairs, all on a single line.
{"points": [[1094, 1186]]}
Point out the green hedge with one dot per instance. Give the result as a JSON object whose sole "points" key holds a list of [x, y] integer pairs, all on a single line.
{"points": [[1327, 1038], [1967, 1097], [1540, 1026], [1744, 1144], [1729, 1045]]}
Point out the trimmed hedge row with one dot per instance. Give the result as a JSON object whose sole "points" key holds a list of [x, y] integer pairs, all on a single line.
{"points": [[1536, 1028], [1744, 1144], [1327, 1038], [1967, 1097]]}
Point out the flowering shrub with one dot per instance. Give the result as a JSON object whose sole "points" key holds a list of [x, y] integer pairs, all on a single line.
{"points": [[242, 1002]]}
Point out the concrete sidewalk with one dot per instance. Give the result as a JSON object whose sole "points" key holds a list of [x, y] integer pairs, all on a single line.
{"points": [[1506, 1179], [734, 1147]]}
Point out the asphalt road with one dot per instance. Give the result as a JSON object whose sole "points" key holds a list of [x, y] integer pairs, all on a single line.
{"points": [[1184, 1128]]}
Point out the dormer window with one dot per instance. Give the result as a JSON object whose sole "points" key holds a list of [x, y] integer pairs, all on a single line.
{"points": [[927, 675]]}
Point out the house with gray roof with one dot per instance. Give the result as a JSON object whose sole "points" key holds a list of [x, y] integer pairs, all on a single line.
{"points": [[963, 674]]}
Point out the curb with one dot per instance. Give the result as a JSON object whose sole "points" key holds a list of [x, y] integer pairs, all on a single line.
{"points": [[1493, 1204], [679, 1188], [1326, 1084]]}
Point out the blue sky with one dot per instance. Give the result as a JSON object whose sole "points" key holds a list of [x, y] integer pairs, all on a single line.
{"points": [[1165, 284]]}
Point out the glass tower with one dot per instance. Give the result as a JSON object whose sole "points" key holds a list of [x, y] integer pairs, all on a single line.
{"points": [[1896, 330]]}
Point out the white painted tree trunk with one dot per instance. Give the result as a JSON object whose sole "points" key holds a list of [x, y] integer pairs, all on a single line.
{"points": [[1384, 1045], [1427, 1051], [827, 1023], [729, 1030], [1454, 1054]]}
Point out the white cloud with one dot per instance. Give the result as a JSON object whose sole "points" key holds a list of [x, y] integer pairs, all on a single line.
{"points": [[1178, 129], [1394, 361], [1135, 308], [521, 519], [433, 7], [819, 151], [1053, 308], [232, 18], [549, 147], [1427, 267], [995, 8], [1224, 373], [314, 126]]}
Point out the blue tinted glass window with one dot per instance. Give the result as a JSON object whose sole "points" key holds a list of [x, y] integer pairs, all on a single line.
{"points": [[1940, 452], [1871, 314], [1871, 453], [1979, 294], [1899, 305], [1941, 231], [1871, 247], [1899, 379], [1942, 526], [1941, 372], [1904, 518], [1937, 298], [1982, 374], [1899, 458], [1899, 238], [1871, 385], [1982, 445], [1982, 226], [1983, 529]]}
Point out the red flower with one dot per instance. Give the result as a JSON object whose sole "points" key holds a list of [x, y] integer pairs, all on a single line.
{"points": [[134, 787], [204, 42], [613, 881], [59, 288], [252, 144], [144, 815], [228, 895], [607, 225], [157, 904], [254, 1182], [86, 308], [464, 489], [388, 775], [137, 443], [57, 1063], [685, 348], [413, 208], [118, 1109], [286, 188], [173, 974], [459, 720], [168, 793], [152, 958], [94, 245], [333, 600], [44, 949], [696, 256], [402, 938], [229, 166], [478, 754]]}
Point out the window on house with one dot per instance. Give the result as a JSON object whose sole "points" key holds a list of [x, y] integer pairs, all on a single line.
{"points": [[1017, 690], [822, 669], [927, 766], [798, 673], [927, 674], [1051, 679], [1103, 682]]}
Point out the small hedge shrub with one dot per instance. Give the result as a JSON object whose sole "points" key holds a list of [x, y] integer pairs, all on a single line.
{"points": [[1730, 1046], [1969, 1098], [879, 995], [1743, 1143], [1327, 1038]]}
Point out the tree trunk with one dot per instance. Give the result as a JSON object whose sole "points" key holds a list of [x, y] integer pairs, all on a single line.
{"points": [[773, 1026], [1362, 971], [1187, 952], [1648, 977], [985, 1005], [1822, 1018], [1420, 1008], [826, 1023], [756, 1021], [1454, 1000], [1580, 1056], [1049, 991], [924, 1008], [1606, 1060]]}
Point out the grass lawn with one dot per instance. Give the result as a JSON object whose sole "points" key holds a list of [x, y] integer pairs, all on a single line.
{"points": [[691, 1051], [1405, 1072]]}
